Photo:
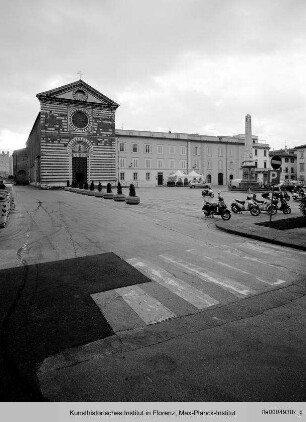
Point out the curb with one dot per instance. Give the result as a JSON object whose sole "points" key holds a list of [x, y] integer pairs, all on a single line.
{"points": [[261, 238]]}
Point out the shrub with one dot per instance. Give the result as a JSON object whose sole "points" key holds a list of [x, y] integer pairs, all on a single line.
{"points": [[109, 188], [92, 186], [171, 183], [85, 185], [119, 189], [67, 183], [99, 187], [132, 190], [179, 183]]}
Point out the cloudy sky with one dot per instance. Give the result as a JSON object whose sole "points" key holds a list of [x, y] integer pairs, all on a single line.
{"points": [[194, 66]]}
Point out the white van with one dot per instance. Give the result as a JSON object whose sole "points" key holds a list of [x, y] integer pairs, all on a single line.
{"points": [[234, 184]]}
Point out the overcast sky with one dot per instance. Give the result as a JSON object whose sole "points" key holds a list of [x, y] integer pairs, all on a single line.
{"points": [[194, 66]]}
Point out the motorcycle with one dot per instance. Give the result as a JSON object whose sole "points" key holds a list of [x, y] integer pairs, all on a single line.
{"points": [[238, 206], [208, 192], [211, 209], [265, 205], [284, 206]]}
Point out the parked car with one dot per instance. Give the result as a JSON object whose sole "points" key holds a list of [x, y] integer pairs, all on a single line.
{"points": [[202, 185], [235, 183]]}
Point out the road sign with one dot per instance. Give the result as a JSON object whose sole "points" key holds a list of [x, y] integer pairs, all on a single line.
{"points": [[274, 177], [276, 162]]}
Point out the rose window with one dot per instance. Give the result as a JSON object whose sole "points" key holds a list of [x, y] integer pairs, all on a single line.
{"points": [[80, 119]]}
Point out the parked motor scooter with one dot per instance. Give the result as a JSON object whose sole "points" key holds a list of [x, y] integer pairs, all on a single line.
{"points": [[208, 192], [265, 205], [238, 206], [211, 209]]}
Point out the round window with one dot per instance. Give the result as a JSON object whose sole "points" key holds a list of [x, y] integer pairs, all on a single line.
{"points": [[80, 119]]}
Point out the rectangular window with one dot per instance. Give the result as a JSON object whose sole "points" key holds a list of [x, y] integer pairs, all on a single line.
{"points": [[121, 176], [286, 160], [171, 149], [134, 147], [135, 162], [183, 150], [220, 152], [265, 152], [292, 170], [135, 176], [209, 151], [159, 164], [148, 176], [122, 162], [183, 164], [220, 165], [255, 151], [160, 149], [265, 164], [209, 165], [286, 170], [122, 147], [148, 164], [302, 154], [196, 151], [256, 164], [172, 164], [302, 167], [292, 160], [147, 149]]}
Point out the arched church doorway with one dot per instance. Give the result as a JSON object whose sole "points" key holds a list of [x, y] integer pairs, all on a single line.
{"points": [[79, 169]]}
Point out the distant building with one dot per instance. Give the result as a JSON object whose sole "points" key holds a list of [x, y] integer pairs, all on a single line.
{"points": [[300, 164], [74, 139], [289, 163], [20, 166], [6, 164]]}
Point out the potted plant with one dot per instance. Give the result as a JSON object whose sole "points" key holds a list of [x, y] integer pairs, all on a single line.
{"points": [[132, 198], [85, 190], [99, 193], [91, 189], [120, 196], [109, 194]]}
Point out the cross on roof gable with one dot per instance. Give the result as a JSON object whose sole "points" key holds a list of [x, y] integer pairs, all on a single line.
{"points": [[77, 85]]}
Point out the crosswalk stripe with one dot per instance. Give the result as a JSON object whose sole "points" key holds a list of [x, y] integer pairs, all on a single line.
{"points": [[182, 289], [149, 309], [238, 289], [271, 283]]}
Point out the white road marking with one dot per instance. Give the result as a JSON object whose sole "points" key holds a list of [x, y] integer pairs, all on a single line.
{"points": [[149, 309], [182, 289], [271, 283], [238, 289]]}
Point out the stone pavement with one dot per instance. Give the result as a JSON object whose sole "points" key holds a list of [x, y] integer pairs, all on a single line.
{"points": [[245, 225]]}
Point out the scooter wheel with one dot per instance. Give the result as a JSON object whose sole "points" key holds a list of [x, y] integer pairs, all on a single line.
{"points": [[226, 215], [255, 211], [287, 210], [234, 209], [206, 213], [212, 195]]}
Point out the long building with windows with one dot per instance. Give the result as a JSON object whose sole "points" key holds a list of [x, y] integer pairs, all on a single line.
{"points": [[74, 140], [149, 158]]}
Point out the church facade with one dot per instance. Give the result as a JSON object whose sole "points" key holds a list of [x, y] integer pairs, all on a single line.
{"points": [[73, 137]]}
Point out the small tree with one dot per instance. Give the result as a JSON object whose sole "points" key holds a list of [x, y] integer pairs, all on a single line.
{"points": [[67, 183], [99, 187], [132, 190], [119, 189], [86, 186], [109, 188], [92, 186]]}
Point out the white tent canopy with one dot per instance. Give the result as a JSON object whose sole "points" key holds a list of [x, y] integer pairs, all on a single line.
{"points": [[178, 175], [194, 175]]}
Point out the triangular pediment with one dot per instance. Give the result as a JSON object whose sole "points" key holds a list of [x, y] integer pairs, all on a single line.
{"points": [[78, 91]]}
